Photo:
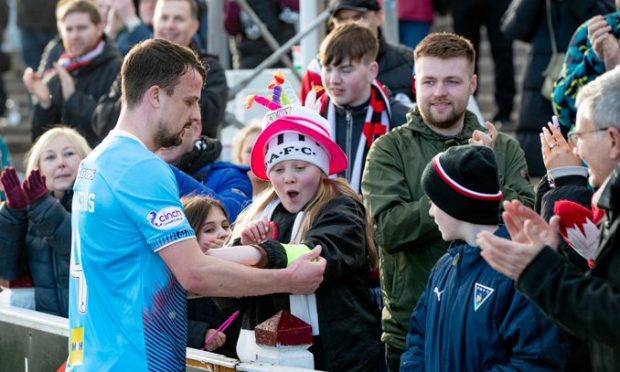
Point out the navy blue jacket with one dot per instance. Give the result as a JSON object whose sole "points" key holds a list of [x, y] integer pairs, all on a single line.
{"points": [[37, 239], [471, 318], [226, 182]]}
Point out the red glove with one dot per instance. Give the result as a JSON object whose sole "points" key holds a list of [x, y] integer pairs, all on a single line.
{"points": [[34, 187], [15, 196]]}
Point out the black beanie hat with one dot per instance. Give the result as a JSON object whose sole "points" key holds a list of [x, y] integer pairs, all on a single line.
{"points": [[463, 182]]}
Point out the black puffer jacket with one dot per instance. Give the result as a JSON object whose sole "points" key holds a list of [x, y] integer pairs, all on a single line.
{"points": [[91, 82], [38, 239], [349, 337], [585, 304]]}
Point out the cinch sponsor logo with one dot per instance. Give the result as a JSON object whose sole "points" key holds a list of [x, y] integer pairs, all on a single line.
{"points": [[166, 218]]}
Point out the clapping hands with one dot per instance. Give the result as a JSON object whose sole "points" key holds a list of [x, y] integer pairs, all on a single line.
{"points": [[604, 42], [484, 139], [20, 196], [15, 195], [530, 233], [556, 151]]}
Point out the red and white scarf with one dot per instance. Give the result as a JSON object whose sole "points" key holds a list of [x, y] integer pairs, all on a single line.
{"points": [[71, 63], [377, 123]]}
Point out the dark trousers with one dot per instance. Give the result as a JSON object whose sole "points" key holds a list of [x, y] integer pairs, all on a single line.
{"points": [[392, 358], [468, 17]]}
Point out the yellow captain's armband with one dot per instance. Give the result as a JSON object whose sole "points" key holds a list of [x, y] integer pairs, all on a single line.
{"points": [[294, 251]]}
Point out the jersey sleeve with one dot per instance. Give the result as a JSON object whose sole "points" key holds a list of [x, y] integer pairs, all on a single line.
{"points": [[150, 197]]}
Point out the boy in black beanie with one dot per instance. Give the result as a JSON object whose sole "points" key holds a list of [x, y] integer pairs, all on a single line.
{"points": [[470, 317]]}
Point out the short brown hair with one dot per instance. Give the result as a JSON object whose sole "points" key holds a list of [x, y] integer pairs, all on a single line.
{"points": [[349, 41], [156, 62], [445, 45], [66, 7]]}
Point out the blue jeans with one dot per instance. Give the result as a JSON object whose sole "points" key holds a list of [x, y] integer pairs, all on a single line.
{"points": [[412, 32], [33, 44]]}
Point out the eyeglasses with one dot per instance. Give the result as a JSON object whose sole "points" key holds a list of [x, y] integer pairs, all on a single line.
{"points": [[576, 136]]}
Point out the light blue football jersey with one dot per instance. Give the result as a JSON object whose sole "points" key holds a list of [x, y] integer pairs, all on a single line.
{"points": [[126, 309]]}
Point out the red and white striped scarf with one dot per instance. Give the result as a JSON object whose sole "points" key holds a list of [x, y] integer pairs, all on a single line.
{"points": [[377, 123], [71, 63]]}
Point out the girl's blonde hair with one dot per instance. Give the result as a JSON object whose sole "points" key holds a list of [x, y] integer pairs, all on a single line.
{"points": [[328, 190], [33, 157], [239, 142]]}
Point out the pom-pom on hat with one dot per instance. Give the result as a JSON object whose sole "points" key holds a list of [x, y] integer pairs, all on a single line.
{"points": [[463, 182]]}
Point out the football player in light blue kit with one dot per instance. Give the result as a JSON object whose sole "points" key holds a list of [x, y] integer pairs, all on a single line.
{"points": [[134, 255]]}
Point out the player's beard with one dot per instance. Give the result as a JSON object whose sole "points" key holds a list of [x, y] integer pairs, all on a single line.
{"points": [[166, 139]]}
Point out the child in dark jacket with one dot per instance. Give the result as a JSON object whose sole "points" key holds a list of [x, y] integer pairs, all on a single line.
{"points": [[470, 317], [210, 221], [305, 208]]}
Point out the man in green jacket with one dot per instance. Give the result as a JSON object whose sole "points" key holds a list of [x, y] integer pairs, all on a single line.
{"points": [[408, 238]]}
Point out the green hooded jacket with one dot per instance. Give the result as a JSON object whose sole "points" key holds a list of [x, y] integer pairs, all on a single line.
{"points": [[408, 239]]}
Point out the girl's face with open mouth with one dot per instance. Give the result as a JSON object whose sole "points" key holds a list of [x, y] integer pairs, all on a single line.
{"points": [[296, 182]]}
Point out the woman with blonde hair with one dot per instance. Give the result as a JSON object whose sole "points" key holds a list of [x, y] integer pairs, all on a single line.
{"points": [[35, 221]]}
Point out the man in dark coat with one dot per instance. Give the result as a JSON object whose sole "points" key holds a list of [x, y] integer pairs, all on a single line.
{"points": [[175, 21], [586, 304], [395, 60], [68, 92]]}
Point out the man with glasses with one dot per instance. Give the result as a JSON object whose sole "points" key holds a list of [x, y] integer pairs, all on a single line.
{"points": [[586, 304]]}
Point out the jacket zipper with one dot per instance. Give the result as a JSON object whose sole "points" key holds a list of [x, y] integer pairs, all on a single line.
{"points": [[452, 280], [349, 119]]}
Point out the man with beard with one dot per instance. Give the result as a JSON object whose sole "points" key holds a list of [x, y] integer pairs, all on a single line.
{"points": [[134, 255], [408, 239], [176, 21]]}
